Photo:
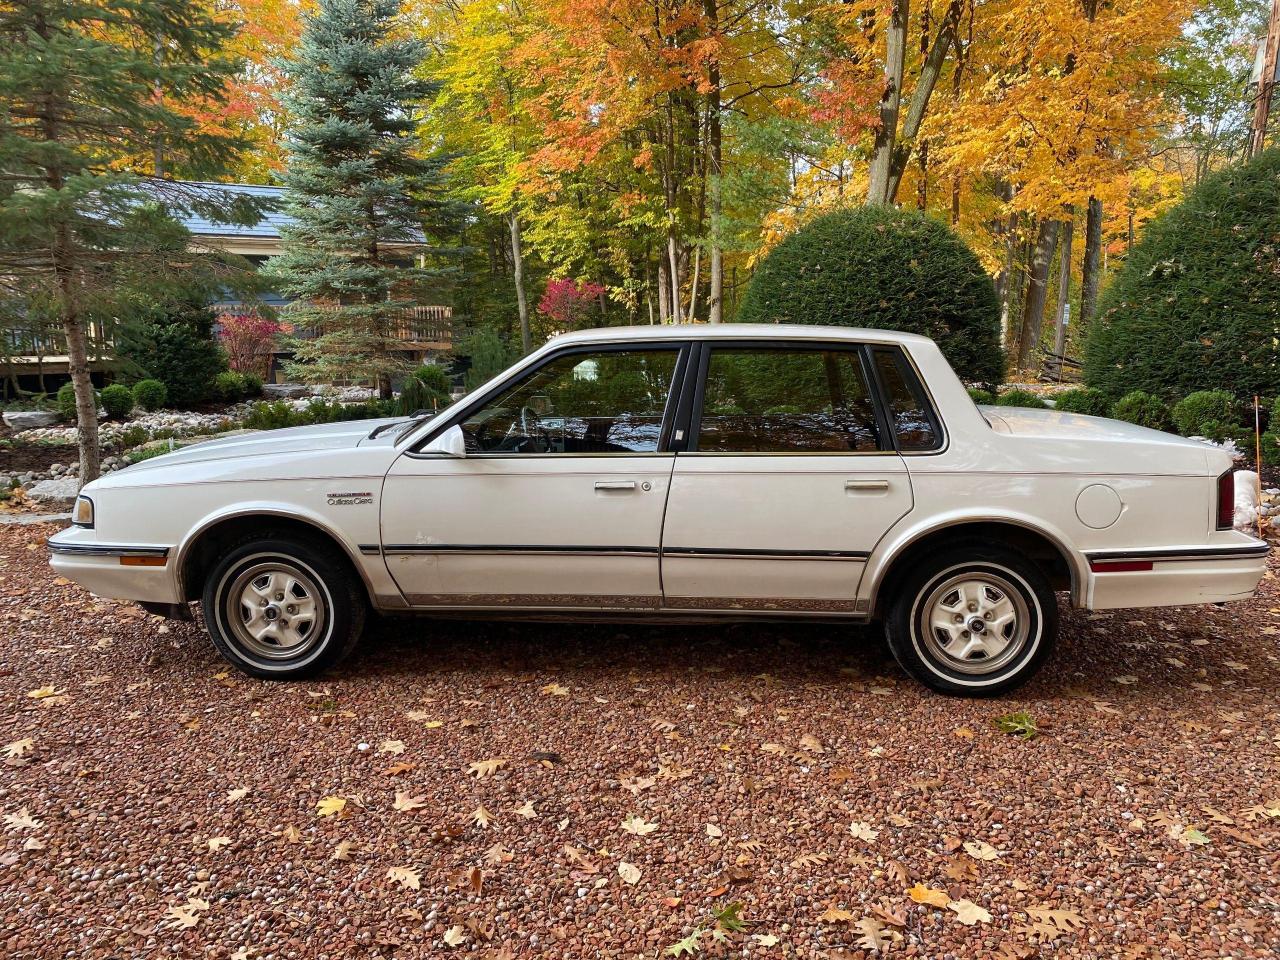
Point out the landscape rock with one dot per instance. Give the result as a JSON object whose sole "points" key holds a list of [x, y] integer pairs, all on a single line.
{"points": [[285, 391], [61, 490], [29, 419]]}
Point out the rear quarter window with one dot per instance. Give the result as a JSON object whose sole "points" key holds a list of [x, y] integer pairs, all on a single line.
{"points": [[910, 414]]}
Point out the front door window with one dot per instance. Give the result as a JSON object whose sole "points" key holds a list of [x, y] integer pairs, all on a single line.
{"points": [[606, 401]]}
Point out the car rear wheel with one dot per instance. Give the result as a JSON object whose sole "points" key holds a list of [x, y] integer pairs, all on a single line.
{"points": [[977, 620], [283, 608]]}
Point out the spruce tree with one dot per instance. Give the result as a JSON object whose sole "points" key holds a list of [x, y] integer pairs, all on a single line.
{"points": [[358, 190], [89, 96]]}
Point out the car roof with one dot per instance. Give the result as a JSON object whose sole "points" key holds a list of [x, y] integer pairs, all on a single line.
{"points": [[734, 331]]}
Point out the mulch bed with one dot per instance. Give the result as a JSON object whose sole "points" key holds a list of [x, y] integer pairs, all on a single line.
{"points": [[462, 788]]}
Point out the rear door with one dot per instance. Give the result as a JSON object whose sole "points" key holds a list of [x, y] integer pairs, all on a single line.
{"points": [[790, 477]]}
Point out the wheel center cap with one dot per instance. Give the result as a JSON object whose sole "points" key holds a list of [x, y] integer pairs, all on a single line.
{"points": [[978, 625], [271, 613]]}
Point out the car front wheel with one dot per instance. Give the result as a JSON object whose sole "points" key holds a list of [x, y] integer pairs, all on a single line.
{"points": [[976, 620], [283, 608]]}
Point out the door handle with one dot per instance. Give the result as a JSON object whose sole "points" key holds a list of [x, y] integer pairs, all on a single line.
{"points": [[861, 485], [615, 484]]}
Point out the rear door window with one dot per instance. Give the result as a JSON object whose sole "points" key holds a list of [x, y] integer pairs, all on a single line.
{"points": [[914, 423]]}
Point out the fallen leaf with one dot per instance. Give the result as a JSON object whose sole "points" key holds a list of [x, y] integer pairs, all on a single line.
{"points": [[555, 690], [405, 802], [713, 831], [1051, 923], [405, 876], [968, 912], [629, 873], [481, 817], [343, 850], [391, 746], [811, 743], [22, 820], [187, 915], [43, 693], [239, 793], [328, 806], [482, 769], [19, 748], [922, 894], [455, 935], [638, 826], [526, 810], [217, 843], [981, 850], [863, 831], [835, 915], [872, 934]]}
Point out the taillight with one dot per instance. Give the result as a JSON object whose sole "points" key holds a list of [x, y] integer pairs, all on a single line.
{"points": [[1226, 501]]}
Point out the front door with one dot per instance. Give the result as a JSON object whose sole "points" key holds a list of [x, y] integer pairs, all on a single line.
{"points": [[559, 500], [791, 478]]}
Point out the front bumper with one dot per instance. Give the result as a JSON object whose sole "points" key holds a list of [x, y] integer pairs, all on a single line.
{"points": [[1176, 577], [142, 572]]}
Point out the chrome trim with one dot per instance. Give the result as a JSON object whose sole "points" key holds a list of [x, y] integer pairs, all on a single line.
{"points": [[1242, 551], [717, 553], [105, 550], [370, 549], [392, 549]]}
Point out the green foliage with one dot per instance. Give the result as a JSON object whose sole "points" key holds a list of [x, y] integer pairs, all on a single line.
{"points": [[146, 453], [489, 355], [117, 400], [985, 397], [1093, 403], [133, 436], [1020, 724], [279, 414], [357, 181], [66, 401], [252, 385], [1020, 398], [427, 388], [150, 394], [1271, 449], [1195, 410], [176, 348], [229, 386], [883, 268], [1197, 302], [1142, 408]]}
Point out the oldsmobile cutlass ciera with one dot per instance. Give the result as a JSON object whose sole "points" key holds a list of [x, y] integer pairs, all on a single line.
{"points": [[695, 473]]}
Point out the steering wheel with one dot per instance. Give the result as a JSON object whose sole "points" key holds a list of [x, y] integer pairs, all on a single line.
{"points": [[530, 425]]}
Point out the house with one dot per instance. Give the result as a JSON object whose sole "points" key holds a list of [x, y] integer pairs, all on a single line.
{"points": [[423, 330]]}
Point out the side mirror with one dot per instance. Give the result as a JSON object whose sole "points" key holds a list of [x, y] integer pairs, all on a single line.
{"points": [[451, 443]]}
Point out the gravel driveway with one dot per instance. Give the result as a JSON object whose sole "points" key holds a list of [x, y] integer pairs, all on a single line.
{"points": [[500, 790]]}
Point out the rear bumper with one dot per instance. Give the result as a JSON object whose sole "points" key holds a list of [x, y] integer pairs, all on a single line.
{"points": [[1175, 577], [118, 570]]}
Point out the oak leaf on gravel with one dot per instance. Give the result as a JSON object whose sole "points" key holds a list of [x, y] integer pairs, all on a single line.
{"points": [[43, 693], [239, 793], [405, 802], [968, 912], [394, 747], [481, 817], [405, 876], [22, 820], [343, 850], [483, 769], [638, 826], [328, 806], [217, 843], [186, 915], [498, 854], [455, 935], [19, 748], [860, 830], [1052, 923], [629, 873], [922, 894], [555, 690], [872, 934], [981, 850], [526, 810], [835, 915]]}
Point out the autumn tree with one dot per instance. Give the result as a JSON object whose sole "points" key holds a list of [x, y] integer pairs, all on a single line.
{"points": [[82, 95], [358, 189]]}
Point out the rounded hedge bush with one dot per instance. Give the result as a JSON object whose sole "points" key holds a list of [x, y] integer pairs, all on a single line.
{"points": [[1271, 449], [1142, 408], [117, 400], [252, 384], [883, 268], [982, 396], [229, 386], [66, 401], [1192, 412], [1020, 398], [1197, 302], [427, 388], [150, 394], [1093, 403]]}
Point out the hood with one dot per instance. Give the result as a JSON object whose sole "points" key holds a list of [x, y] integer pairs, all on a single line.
{"points": [[1158, 451], [324, 436]]}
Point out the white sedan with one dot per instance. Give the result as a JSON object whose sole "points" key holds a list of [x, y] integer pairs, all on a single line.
{"points": [[680, 473]]}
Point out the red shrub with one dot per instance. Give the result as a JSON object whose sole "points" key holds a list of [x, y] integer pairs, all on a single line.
{"points": [[568, 303], [248, 339]]}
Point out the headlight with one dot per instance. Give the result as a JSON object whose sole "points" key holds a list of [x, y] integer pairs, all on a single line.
{"points": [[82, 512]]}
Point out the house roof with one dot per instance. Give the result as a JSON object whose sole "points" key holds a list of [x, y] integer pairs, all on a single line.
{"points": [[268, 228]]}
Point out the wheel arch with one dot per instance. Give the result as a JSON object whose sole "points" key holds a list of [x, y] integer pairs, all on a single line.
{"points": [[197, 553], [1047, 549]]}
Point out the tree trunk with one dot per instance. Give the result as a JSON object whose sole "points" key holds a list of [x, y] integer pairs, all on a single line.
{"points": [[78, 367], [1064, 289], [1037, 293], [715, 146], [517, 268], [673, 273], [1091, 273], [693, 286], [890, 101], [664, 291]]}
